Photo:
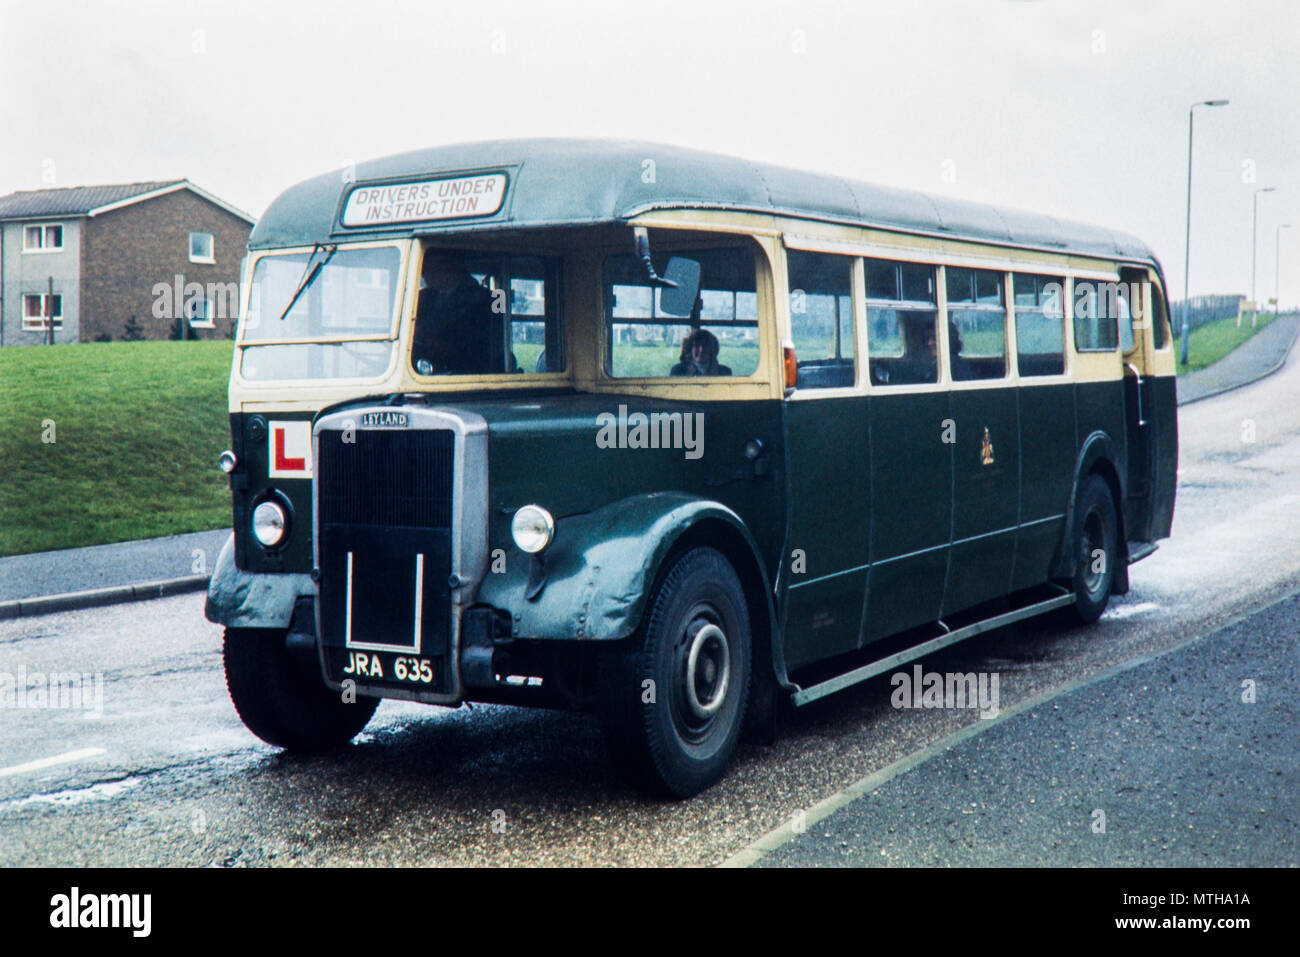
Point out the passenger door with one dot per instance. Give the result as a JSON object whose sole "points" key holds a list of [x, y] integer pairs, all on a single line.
{"points": [[1139, 401]]}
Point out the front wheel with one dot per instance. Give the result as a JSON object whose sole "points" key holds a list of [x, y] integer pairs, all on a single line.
{"points": [[672, 705], [284, 701], [1096, 538]]}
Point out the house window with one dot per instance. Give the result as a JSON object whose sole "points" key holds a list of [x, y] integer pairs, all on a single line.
{"points": [[36, 308], [202, 248], [201, 312], [42, 238]]}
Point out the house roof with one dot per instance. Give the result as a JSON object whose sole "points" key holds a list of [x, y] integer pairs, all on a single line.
{"points": [[93, 200], [560, 182]]}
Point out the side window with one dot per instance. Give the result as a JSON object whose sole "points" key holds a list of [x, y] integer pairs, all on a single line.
{"points": [[1040, 324], [202, 248], [902, 322], [1159, 317], [487, 313], [718, 337], [1096, 327], [821, 319], [977, 324], [1124, 317], [533, 330]]}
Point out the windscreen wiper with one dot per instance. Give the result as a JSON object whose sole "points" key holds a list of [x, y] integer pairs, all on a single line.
{"points": [[309, 273]]}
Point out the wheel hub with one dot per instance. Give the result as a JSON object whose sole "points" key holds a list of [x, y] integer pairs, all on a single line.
{"points": [[1093, 541], [708, 669]]}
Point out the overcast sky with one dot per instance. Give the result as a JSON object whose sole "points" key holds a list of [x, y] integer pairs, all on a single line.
{"points": [[1076, 109]]}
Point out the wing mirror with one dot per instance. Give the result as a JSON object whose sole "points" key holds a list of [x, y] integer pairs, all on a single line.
{"points": [[680, 283]]}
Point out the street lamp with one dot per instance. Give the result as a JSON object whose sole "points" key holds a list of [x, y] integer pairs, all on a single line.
{"points": [[1187, 248], [1277, 259], [1254, 223]]}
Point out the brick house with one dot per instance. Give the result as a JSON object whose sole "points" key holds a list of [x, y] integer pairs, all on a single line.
{"points": [[95, 256]]}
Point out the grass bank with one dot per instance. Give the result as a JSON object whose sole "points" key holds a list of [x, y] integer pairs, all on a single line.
{"points": [[1214, 340], [104, 442]]}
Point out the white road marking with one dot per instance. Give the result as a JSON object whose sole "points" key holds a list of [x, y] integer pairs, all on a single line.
{"points": [[66, 758], [103, 791]]}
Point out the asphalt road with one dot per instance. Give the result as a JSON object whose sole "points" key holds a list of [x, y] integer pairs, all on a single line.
{"points": [[1187, 760], [167, 775]]}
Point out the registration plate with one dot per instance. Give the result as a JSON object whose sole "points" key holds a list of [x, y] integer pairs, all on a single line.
{"points": [[385, 667]]}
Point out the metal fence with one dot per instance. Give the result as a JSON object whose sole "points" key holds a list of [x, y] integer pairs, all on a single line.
{"points": [[1204, 309]]}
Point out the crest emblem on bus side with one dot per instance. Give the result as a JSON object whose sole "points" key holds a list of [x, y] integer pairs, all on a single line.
{"points": [[986, 449]]}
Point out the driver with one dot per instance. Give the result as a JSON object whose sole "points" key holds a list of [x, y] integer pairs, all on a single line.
{"points": [[453, 320]]}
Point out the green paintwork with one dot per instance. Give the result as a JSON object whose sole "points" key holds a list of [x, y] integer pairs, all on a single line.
{"points": [[911, 507], [543, 449], [1165, 417], [986, 497], [601, 567], [1048, 450], [897, 527], [830, 524]]}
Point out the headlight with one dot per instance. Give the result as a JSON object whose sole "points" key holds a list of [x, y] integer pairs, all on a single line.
{"points": [[270, 523], [227, 461], [532, 528]]}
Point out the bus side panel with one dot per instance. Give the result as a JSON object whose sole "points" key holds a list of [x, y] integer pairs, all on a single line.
{"points": [[1048, 452], [911, 507], [986, 491], [1166, 471], [1099, 407], [829, 495]]}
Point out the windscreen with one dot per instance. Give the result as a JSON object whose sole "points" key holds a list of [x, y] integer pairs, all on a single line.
{"points": [[349, 295]]}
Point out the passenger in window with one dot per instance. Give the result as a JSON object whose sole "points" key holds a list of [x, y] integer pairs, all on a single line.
{"points": [[961, 369], [932, 355], [921, 360], [453, 320], [700, 356]]}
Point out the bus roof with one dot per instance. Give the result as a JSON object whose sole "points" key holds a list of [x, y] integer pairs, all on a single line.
{"points": [[576, 182]]}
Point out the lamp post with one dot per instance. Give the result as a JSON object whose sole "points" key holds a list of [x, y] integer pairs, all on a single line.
{"points": [[1277, 271], [1254, 224], [1187, 248]]}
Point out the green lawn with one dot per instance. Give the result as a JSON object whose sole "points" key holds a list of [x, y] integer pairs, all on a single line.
{"points": [[1214, 340], [136, 428]]}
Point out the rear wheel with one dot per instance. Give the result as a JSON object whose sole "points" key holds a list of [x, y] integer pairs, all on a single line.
{"points": [[673, 704], [1096, 542], [282, 699]]}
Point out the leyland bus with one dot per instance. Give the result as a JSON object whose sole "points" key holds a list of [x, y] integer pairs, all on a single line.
{"points": [[669, 437]]}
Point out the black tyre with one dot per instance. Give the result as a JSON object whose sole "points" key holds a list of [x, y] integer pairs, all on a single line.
{"points": [[282, 699], [673, 704], [1096, 542]]}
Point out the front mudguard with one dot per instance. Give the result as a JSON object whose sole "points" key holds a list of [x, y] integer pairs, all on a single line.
{"points": [[240, 599], [600, 568]]}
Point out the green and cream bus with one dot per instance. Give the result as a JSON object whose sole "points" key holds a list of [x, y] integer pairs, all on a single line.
{"points": [[667, 436]]}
